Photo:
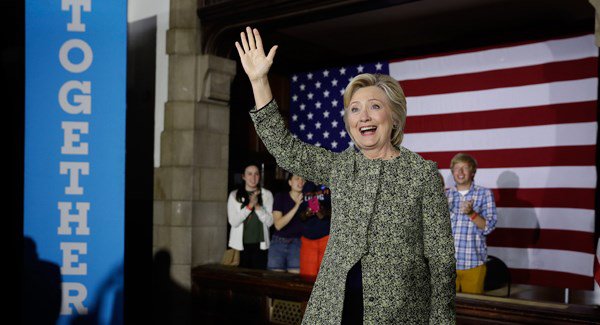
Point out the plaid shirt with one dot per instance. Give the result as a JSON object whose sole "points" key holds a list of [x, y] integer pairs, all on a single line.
{"points": [[469, 240]]}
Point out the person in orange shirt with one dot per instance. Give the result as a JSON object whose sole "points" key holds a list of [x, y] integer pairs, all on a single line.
{"points": [[315, 233]]}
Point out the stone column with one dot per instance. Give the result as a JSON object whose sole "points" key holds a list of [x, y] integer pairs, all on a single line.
{"points": [[190, 186], [596, 4]]}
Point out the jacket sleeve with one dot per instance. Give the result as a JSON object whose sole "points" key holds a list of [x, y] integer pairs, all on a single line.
{"points": [[265, 214], [488, 212], [439, 248], [311, 162], [235, 213]]}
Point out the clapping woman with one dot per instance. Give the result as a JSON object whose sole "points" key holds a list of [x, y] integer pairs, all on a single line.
{"points": [[249, 211], [284, 253]]}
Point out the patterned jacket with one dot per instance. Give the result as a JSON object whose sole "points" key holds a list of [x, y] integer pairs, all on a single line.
{"points": [[392, 215]]}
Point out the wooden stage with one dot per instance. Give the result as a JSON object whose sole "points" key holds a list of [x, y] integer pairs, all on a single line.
{"points": [[223, 295]]}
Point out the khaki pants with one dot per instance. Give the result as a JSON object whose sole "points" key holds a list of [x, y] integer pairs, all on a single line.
{"points": [[471, 280]]}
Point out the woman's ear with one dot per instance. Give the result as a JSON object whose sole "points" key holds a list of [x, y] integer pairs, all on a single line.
{"points": [[397, 123]]}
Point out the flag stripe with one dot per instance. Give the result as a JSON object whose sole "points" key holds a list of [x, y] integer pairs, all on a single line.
{"points": [[545, 259], [495, 59], [532, 177], [536, 74], [575, 198], [571, 134], [547, 218], [551, 279], [577, 241], [581, 90], [524, 157], [501, 118], [597, 268]]}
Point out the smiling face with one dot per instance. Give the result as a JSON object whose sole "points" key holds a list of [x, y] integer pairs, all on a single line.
{"points": [[296, 183], [463, 175], [251, 177], [369, 118]]}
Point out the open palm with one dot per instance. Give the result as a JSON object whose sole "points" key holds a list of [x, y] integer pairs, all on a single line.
{"points": [[252, 54]]}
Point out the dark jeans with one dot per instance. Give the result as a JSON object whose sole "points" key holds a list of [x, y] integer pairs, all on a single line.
{"points": [[353, 298], [252, 257]]}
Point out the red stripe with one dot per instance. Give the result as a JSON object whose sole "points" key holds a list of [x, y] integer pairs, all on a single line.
{"points": [[552, 279], [512, 77], [597, 270], [504, 118], [577, 198], [524, 157], [577, 241]]}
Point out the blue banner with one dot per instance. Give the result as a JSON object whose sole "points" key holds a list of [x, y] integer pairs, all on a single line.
{"points": [[75, 150]]}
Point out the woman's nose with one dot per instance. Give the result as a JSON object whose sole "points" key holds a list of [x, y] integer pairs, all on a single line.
{"points": [[364, 115]]}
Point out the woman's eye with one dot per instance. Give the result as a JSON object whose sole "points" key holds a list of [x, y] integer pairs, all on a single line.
{"points": [[375, 106], [353, 109]]}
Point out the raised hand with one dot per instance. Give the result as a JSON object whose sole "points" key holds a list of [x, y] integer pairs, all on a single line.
{"points": [[252, 55]]}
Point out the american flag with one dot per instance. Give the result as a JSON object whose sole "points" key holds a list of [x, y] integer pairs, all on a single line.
{"points": [[317, 107], [527, 112]]}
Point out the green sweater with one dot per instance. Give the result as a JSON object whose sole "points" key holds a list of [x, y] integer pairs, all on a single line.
{"points": [[392, 215]]}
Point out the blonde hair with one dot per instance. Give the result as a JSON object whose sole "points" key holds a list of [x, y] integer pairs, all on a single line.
{"points": [[393, 92], [465, 158]]}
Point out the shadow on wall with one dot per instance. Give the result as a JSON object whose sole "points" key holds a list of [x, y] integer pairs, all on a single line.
{"points": [[508, 195], [171, 303], [108, 303], [41, 287], [519, 226], [41, 294]]}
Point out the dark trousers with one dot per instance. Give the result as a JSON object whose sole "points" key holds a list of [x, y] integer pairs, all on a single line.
{"points": [[353, 298], [252, 257]]}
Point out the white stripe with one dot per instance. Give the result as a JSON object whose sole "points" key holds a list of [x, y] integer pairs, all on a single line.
{"points": [[532, 177], [569, 134], [545, 259], [501, 98], [546, 218], [495, 59]]}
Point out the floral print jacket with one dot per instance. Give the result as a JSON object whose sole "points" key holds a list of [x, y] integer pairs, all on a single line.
{"points": [[392, 215]]}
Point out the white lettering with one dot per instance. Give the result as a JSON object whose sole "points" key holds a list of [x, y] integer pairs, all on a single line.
{"points": [[71, 139], [84, 101], [63, 55], [73, 293], [75, 97], [75, 25], [73, 169], [80, 218], [69, 258]]}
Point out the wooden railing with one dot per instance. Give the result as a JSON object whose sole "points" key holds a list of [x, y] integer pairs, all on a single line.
{"points": [[224, 295]]}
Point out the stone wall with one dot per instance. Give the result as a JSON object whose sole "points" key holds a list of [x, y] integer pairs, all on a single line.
{"points": [[190, 186]]}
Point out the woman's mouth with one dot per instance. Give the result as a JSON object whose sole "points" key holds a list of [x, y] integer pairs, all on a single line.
{"points": [[367, 130]]}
